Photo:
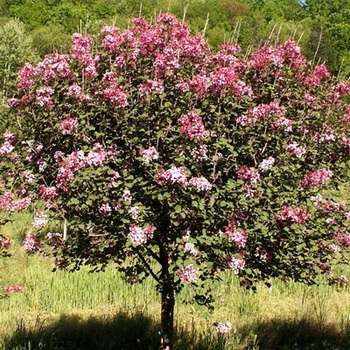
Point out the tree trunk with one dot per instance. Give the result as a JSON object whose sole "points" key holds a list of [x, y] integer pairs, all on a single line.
{"points": [[167, 318], [168, 299]]}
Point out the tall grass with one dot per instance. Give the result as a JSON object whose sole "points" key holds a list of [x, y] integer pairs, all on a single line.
{"points": [[83, 310]]}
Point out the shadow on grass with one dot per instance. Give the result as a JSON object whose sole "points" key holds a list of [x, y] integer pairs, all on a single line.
{"points": [[139, 332], [121, 332], [306, 333]]}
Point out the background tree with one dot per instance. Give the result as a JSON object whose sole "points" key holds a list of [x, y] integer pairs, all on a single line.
{"points": [[16, 47]]}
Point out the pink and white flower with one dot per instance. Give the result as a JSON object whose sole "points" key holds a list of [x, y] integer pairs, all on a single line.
{"points": [[188, 274]]}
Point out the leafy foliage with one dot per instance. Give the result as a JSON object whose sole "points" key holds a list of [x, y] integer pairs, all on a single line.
{"points": [[178, 162]]}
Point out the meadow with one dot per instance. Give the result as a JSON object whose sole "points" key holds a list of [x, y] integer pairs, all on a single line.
{"points": [[82, 310]]}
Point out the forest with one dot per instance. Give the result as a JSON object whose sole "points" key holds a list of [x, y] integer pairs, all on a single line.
{"points": [[30, 29]]}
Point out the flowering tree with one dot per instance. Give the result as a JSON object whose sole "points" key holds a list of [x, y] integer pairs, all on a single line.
{"points": [[178, 162]]}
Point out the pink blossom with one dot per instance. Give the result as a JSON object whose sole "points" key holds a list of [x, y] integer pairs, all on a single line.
{"points": [[64, 177], [282, 123], [25, 77], [343, 280], [81, 47], [149, 154], [40, 220], [250, 176], [69, 125], [238, 237], [223, 328], [15, 289], [316, 200], [13, 102], [54, 237], [199, 84], [139, 235], [191, 125], [134, 212], [234, 264], [333, 207], [116, 96], [266, 164], [8, 202], [201, 183], [54, 66], [127, 196], [43, 97], [113, 182], [29, 176], [5, 243], [332, 248], [6, 148], [31, 243], [260, 112], [200, 153], [288, 216], [105, 208], [346, 145], [151, 86], [315, 179], [172, 175], [74, 90], [190, 248], [296, 149], [48, 193], [188, 274]]}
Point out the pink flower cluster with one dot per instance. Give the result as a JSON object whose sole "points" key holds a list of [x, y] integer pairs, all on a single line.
{"points": [[54, 66], [32, 243], [343, 239], [115, 94], [295, 149], [346, 144], [81, 47], [40, 220], [9, 144], [247, 175], [188, 274], [315, 179], [149, 154], [288, 216], [234, 264], [282, 123], [178, 175], [343, 280], [260, 113], [190, 248], [237, 237], [151, 86], [200, 153], [139, 235], [8, 202], [97, 157], [172, 175], [69, 125], [223, 328], [5, 243], [333, 207], [191, 125], [12, 289], [201, 183], [266, 164], [48, 193], [43, 97], [288, 52], [319, 73]]}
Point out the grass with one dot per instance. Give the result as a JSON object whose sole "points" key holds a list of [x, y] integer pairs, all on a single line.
{"points": [[81, 310]]}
